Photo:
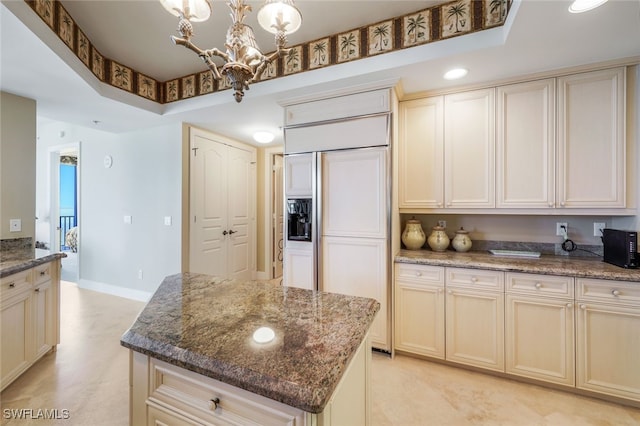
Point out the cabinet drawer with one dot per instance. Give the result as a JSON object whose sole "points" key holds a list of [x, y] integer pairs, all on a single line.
{"points": [[183, 391], [540, 285], [15, 284], [420, 273], [475, 278], [608, 291], [42, 273]]}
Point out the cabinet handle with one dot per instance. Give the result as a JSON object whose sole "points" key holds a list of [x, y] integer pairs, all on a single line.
{"points": [[231, 232], [538, 285], [616, 293], [583, 307], [42, 273], [37, 290], [12, 285], [224, 232], [213, 404]]}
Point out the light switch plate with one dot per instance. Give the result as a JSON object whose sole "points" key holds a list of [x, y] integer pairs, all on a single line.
{"points": [[15, 225], [127, 220], [167, 220]]}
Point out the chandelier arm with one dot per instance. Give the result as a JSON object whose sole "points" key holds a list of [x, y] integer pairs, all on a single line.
{"points": [[263, 64], [205, 55]]}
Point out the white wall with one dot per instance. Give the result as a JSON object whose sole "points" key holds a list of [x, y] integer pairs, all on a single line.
{"points": [[144, 182], [17, 180]]}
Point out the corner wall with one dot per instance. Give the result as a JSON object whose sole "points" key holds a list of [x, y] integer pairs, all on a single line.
{"points": [[144, 182], [18, 165]]}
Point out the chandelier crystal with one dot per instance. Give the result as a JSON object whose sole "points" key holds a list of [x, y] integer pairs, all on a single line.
{"points": [[243, 60]]}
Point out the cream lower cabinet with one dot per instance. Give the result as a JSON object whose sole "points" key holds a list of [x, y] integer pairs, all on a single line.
{"points": [[29, 315], [164, 394], [475, 317], [608, 337], [539, 327], [419, 309]]}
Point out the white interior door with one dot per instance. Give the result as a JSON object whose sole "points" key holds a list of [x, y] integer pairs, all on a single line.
{"points": [[222, 206]]}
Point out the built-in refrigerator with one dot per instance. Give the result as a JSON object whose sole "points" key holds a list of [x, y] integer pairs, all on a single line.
{"points": [[342, 170]]}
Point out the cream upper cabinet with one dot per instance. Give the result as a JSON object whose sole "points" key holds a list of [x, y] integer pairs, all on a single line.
{"points": [[525, 145], [591, 140], [539, 327], [421, 153], [298, 176], [608, 348], [469, 149]]}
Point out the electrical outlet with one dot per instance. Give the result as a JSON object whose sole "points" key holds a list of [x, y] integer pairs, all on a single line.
{"points": [[597, 228], [562, 228], [442, 223], [15, 225], [140, 274]]}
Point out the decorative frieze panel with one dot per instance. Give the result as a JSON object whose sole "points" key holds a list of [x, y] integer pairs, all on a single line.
{"points": [[440, 22]]}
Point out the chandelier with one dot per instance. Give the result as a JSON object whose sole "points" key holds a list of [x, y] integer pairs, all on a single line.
{"points": [[243, 60]]}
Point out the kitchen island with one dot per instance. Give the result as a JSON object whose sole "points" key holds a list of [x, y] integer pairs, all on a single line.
{"points": [[195, 360]]}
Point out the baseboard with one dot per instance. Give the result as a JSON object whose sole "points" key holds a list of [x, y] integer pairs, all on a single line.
{"points": [[114, 290], [262, 275]]}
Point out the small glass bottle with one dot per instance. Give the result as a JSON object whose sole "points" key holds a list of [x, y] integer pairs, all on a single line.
{"points": [[413, 236]]}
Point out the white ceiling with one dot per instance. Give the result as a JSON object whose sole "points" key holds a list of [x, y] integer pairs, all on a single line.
{"points": [[540, 35]]}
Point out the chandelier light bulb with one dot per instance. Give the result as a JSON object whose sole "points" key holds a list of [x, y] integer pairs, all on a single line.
{"points": [[277, 15], [193, 10]]}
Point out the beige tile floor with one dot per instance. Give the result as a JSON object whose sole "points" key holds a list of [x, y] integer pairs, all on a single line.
{"points": [[88, 376]]}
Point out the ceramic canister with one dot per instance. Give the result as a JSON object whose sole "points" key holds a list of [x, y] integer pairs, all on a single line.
{"points": [[413, 236]]}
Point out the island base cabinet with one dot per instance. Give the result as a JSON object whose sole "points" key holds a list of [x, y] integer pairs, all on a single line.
{"points": [[164, 394], [609, 350]]}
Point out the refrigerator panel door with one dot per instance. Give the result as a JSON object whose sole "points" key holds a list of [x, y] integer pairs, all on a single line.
{"points": [[354, 193], [358, 267]]}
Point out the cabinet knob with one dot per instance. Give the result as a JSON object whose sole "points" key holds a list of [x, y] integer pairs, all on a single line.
{"points": [[583, 307], [550, 204], [439, 290], [450, 292], [418, 274], [569, 305], [12, 285], [538, 285], [213, 404], [439, 204], [448, 204], [616, 293], [42, 273], [562, 204], [474, 279], [37, 290]]}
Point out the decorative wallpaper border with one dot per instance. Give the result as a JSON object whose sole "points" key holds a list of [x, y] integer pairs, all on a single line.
{"points": [[456, 18]]}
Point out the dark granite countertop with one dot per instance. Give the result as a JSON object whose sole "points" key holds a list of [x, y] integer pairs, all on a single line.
{"points": [[18, 260], [205, 324], [545, 264]]}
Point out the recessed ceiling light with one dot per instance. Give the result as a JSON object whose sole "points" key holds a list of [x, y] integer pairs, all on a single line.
{"points": [[579, 6], [263, 137], [455, 73]]}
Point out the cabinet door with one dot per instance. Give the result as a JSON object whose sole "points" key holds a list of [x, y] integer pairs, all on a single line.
{"points": [[419, 325], [469, 149], [421, 153], [475, 328], [591, 139], [298, 267], [525, 145], [358, 267], [44, 318], [539, 338], [16, 324], [608, 349], [298, 176]]}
